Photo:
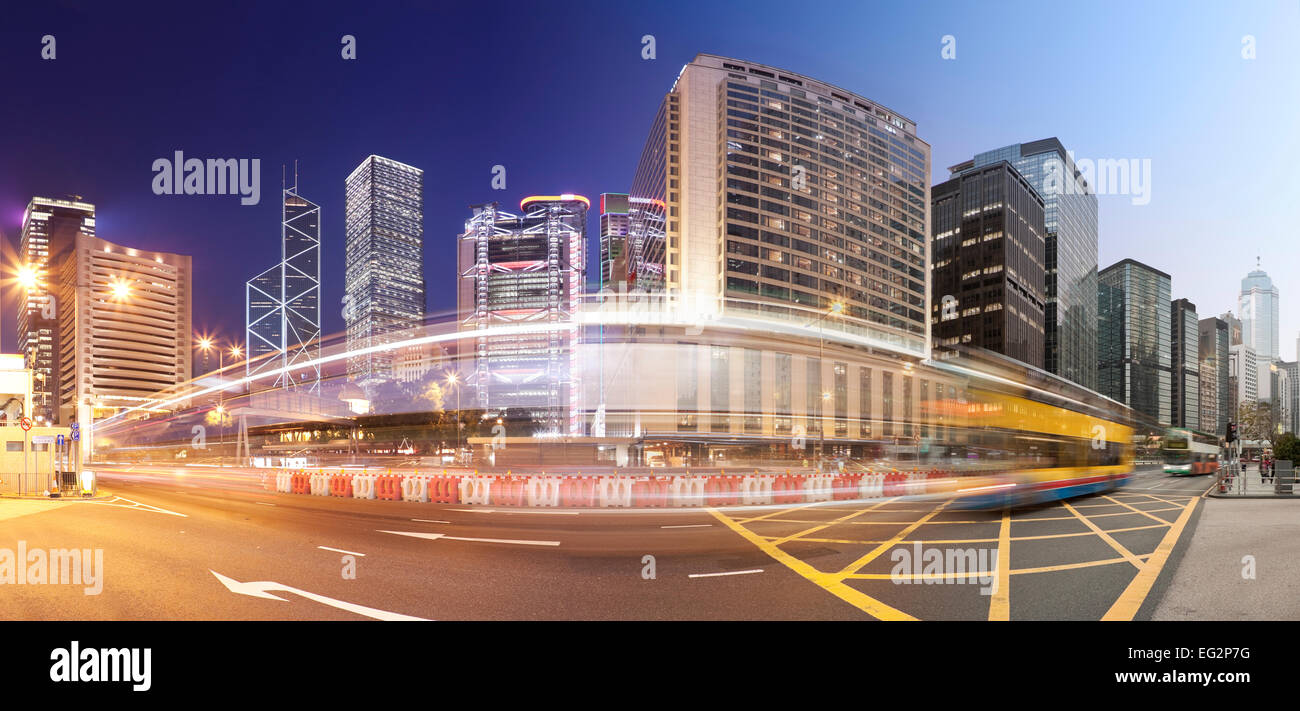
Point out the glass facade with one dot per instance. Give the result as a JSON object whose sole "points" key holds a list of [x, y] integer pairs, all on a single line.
{"points": [[384, 262], [1134, 339], [798, 194], [987, 263], [1185, 338], [1070, 218], [282, 304], [49, 228]]}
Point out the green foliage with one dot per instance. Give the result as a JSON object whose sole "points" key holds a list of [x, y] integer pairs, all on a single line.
{"points": [[1287, 447]]}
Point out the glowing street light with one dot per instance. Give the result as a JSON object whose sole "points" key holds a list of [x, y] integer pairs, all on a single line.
{"points": [[27, 277]]}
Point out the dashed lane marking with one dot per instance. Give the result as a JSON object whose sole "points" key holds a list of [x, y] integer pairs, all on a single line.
{"points": [[729, 572]]}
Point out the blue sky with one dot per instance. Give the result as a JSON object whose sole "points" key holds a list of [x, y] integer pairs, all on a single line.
{"points": [[559, 94]]}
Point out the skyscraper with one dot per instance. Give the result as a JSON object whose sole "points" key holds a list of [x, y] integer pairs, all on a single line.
{"points": [[1133, 341], [771, 195], [1258, 304], [49, 227], [124, 326], [526, 270], [1185, 364], [1070, 217], [1292, 422], [282, 304], [1244, 370], [384, 287], [987, 269], [1216, 395], [614, 216]]}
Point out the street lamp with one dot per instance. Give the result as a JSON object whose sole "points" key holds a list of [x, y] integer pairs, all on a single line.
{"points": [[834, 309], [454, 381], [206, 345]]}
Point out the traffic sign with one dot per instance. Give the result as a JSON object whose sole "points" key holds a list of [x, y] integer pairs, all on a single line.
{"points": [[76, 433], [59, 441], [26, 424]]}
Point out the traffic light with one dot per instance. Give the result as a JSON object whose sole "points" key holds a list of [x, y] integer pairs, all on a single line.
{"points": [[1232, 432]]}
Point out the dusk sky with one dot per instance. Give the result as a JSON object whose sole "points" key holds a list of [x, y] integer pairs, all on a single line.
{"points": [[559, 94]]}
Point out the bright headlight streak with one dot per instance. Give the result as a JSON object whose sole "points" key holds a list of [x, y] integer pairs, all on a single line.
{"points": [[585, 318]]}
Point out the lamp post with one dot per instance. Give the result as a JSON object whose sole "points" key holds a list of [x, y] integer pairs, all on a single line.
{"points": [[206, 345], [454, 381]]}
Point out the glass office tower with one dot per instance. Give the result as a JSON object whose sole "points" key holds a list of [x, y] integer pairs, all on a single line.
{"points": [[1184, 359], [987, 268], [1070, 214], [384, 262], [1216, 393], [1134, 340], [50, 226], [282, 304]]}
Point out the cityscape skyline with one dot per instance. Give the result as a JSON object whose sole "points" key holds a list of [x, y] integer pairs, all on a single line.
{"points": [[121, 219]]}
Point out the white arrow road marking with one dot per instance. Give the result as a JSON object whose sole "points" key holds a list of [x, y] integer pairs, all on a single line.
{"points": [[434, 536], [260, 588]]}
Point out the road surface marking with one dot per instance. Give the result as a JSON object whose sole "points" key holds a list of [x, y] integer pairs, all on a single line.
{"points": [[1000, 601], [504, 540], [524, 511], [261, 588], [135, 505], [263, 503], [690, 525], [435, 536], [340, 550], [730, 572], [1130, 601], [1103, 535], [429, 520], [828, 581]]}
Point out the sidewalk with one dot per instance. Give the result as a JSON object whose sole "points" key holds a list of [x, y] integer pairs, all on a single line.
{"points": [[1251, 485], [1209, 582]]}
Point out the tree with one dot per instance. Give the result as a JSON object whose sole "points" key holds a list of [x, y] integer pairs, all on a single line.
{"points": [[1287, 447], [1257, 421]]}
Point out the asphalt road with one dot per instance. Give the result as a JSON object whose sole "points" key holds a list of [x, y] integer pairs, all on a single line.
{"points": [[169, 539]]}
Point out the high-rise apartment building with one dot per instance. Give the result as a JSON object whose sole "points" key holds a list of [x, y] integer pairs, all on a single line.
{"points": [[282, 304], [1216, 395], [124, 326], [987, 262], [49, 227], [767, 194], [526, 270], [384, 264], [1070, 218], [1133, 339], [1185, 364]]}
